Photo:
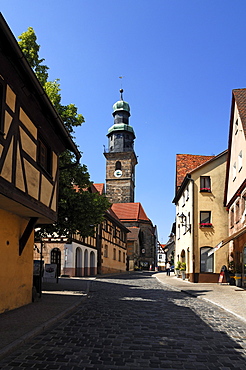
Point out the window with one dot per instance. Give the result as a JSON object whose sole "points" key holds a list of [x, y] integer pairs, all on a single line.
{"points": [[119, 256], [234, 171], [44, 156], [243, 200], [114, 254], [237, 212], [205, 219], [205, 184], [206, 262], [178, 231], [232, 217], [187, 193], [236, 127], [106, 251], [118, 165], [124, 257], [240, 161]]}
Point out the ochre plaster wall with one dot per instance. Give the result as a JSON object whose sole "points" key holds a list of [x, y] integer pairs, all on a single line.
{"points": [[16, 272]]}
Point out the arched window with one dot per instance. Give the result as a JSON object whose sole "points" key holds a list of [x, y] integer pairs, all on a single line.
{"points": [[118, 165], [206, 261]]}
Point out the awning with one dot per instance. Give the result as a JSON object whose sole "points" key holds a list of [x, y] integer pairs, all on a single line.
{"points": [[218, 246], [227, 240]]}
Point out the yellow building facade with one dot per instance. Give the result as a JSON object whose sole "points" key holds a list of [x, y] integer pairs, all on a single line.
{"points": [[201, 220], [31, 139]]}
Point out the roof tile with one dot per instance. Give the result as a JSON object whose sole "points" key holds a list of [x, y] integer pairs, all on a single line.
{"points": [[130, 211], [185, 163]]}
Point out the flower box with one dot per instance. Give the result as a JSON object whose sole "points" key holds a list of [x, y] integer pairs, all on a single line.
{"points": [[205, 190], [206, 224]]}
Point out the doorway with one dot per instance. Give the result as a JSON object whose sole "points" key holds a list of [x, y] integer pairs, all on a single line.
{"points": [[78, 262], [55, 258]]}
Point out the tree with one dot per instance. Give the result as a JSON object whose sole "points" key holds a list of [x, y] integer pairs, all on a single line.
{"points": [[78, 210]]}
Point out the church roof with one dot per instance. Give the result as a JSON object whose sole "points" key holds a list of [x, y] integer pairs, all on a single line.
{"points": [[130, 212], [133, 234], [121, 127], [121, 105], [100, 188]]}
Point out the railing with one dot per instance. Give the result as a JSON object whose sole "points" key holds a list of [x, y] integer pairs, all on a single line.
{"points": [[118, 151]]}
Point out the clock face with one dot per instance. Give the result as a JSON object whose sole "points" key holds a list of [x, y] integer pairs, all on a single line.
{"points": [[118, 173]]}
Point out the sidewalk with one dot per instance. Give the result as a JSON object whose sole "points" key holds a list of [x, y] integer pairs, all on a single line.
{"points": [[229, 297], [57, 300]]}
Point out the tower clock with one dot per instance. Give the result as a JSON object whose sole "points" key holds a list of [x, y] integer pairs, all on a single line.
{"points": [[120, 156]]}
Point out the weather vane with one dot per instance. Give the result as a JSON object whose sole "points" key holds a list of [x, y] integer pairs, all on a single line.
{"points": [[121, 90]]}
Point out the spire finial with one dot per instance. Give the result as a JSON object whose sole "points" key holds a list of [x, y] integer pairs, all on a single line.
{"points": [[121, 94]]}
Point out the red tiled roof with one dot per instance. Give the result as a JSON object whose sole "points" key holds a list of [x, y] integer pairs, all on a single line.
{"points": [[185, 163], [130, 211], [111, 212], [100, 188], [93, 188], [133, 234], [240, 99]]}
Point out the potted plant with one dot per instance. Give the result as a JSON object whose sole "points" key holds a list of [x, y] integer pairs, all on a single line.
{"points": [[238, 274], [231, 272], [178, 267], [183, 269]]}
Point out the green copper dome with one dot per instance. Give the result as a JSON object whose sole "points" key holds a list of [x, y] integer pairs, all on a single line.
{"points": [[121, 105], [120, 127]]}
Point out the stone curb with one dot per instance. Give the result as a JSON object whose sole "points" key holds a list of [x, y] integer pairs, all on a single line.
{"points": [[198, 296], [23, 339]]}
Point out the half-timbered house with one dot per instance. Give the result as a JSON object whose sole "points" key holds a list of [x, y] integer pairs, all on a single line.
{"points": [[32, 136]]}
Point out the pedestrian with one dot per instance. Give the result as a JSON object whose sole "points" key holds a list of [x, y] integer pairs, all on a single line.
{"points": [[168, 268]]}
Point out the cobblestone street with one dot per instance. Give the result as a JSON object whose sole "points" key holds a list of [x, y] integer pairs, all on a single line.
{"points": [[135, 322]]}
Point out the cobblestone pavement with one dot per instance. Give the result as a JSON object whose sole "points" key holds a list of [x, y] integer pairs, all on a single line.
{"points": [[135, 322]]}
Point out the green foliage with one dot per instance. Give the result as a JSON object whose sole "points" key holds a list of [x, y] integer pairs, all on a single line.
{"points": [[178, 265], [78, 211], [68, 113], [30, 48]]}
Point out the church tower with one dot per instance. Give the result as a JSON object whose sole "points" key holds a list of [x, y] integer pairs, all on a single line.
{"points": [[120, 156]]}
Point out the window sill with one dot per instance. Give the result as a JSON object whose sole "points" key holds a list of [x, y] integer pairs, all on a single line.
{"points": [[206, 225], [205, 190]]}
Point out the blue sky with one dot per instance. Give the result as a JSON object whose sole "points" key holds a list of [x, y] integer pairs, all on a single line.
{"points": [[180, 60]]}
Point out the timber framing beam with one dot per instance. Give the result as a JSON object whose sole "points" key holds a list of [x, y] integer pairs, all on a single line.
{"points": [[26, 234]]}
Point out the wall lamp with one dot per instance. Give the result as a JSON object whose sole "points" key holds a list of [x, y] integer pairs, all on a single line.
{"points": [[183, 218]]}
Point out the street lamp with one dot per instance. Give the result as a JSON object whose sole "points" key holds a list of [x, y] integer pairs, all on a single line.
{"points": [[183, 222]]}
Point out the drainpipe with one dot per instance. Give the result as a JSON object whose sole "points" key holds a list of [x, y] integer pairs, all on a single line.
{"points": [[192, 279]]}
